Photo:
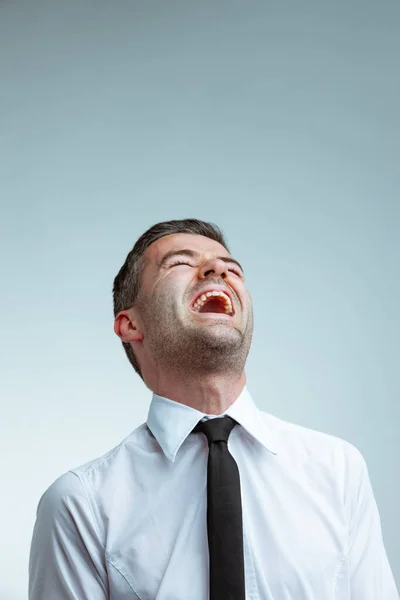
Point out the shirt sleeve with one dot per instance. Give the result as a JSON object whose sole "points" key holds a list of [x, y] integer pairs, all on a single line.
{"points": [[67, 559], [371, 577]]}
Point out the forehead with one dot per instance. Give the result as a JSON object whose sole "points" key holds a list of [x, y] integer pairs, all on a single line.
{"points": [[178, 241]]}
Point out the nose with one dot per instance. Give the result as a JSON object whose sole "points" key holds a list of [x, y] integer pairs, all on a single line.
{"points": [[213, 266]]}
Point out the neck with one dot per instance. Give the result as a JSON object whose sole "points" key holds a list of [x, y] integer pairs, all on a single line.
{"points": [[211, 395]]}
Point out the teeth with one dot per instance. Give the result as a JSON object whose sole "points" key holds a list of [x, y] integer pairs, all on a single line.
{"points": [[202, 300]]}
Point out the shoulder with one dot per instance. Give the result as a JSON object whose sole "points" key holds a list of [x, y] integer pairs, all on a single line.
{"points": [[316, 448], [61, 507], [64, 490], [76, 486], [300, 437], [114, 458]]}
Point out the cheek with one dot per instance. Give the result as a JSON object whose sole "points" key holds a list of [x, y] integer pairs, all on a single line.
{"points": [[247, 303], [158, 280], [167, 293]]}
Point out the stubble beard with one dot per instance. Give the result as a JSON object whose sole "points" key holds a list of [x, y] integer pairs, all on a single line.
{"points": [[191, 348]]}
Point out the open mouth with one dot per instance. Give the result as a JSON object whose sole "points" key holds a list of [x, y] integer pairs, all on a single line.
{"points": [[214, 302]]}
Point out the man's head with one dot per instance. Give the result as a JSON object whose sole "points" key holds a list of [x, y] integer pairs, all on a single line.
{"points": [[180, 302]]}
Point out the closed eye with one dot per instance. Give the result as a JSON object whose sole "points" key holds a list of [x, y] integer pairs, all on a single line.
{"points": [[236, 271], [180, 262]]}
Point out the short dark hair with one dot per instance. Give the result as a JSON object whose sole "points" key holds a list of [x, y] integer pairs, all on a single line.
{"points": [[128, 281]]}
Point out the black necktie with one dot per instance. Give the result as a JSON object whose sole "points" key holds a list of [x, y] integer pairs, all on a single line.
{"points": [[224, 512]]}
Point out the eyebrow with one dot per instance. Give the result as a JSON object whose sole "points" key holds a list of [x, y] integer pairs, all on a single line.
{"points": [[193, 254]]}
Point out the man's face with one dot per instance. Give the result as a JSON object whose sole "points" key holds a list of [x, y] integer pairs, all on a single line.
{"points": [[194, 308]]}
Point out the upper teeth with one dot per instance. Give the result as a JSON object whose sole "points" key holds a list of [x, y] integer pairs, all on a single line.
{"points": [[203, 299]]}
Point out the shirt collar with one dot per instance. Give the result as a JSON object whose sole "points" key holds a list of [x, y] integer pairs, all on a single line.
{"points": [[171, 422]]}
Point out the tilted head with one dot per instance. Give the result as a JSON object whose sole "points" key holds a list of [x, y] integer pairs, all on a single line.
{"points": [[180, 302]]}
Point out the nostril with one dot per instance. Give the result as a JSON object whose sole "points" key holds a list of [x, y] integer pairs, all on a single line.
{"points": [[208, 272]]}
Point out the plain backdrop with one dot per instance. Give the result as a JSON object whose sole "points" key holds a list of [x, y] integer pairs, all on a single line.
{"points": [[279, 121]]}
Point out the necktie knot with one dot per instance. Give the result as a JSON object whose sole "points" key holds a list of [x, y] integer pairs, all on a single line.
{"points": [[216, 430]]}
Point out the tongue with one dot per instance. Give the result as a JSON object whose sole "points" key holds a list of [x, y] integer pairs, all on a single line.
{"points": [[214, 306]]}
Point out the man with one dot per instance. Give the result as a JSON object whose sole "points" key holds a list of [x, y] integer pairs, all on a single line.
{"points": [[177, 511]]}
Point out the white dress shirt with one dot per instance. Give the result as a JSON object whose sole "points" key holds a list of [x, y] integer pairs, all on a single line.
{"points": [[132, 523]]}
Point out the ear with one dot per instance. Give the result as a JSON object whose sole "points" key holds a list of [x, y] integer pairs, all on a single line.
{"points": [[127, 328]]}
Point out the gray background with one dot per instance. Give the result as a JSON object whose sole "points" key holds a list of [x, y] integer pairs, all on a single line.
{"points": [[277, 120]]}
